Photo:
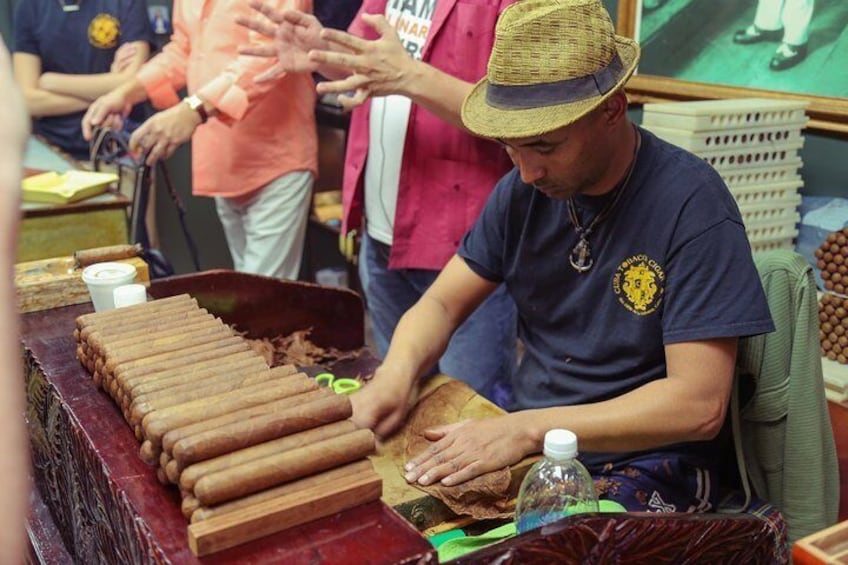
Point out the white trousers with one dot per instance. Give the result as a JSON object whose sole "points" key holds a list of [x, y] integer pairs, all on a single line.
{"points": [[265, 233], [792, 15]]}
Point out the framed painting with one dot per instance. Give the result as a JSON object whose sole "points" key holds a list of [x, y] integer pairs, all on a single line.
{"points": [[712, 49]]}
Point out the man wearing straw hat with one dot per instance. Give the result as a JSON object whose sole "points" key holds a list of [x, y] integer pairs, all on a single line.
{"points": [[628, 262]]}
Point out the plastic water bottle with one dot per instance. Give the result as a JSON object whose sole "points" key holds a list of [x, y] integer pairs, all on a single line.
{"points": [[556, 486]]}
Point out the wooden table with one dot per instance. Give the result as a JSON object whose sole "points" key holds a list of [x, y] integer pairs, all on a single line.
{"points": [[55, 230], [107, 504]]}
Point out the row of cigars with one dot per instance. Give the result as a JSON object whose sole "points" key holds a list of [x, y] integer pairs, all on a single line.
{"points": [[252, 449]]}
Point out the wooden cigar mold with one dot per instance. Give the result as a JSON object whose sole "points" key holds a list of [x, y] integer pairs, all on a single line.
{"points": [[253, 449]]}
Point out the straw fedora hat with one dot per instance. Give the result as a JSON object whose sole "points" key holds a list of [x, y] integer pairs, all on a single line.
{"points": [[553, 61]]}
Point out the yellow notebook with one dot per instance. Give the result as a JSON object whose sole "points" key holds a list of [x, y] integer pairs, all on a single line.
{"points": [[55, 188]]}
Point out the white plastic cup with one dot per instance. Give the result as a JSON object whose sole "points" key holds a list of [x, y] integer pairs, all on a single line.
{"points": [[129, 294], [103, 278]]}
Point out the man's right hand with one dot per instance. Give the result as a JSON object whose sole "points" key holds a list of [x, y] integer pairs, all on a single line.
{"points": [[383, 403], [292, 33], [107, 111]]}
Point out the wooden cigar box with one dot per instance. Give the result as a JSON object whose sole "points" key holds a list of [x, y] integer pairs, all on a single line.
{"points": [[827, 546], [52, 283]]}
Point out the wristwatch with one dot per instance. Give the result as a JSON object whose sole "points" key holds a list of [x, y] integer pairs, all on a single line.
{"points": [[196, 103]]}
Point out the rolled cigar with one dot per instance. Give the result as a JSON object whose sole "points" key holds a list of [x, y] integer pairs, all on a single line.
{"points": [[191, 474], [175, 435], [239, 363], [197, 372], [239, 435], [99, 341], [129, 322], [86, 257], [164, 459], [158, 423], [143, 405], [143, 354], [151, 307], [172, 471], [124, 385], [339, 474], [189, 505], [160, 475], [161, 349], [136, 325], [174, 359], [150, 453], [267, 472]]}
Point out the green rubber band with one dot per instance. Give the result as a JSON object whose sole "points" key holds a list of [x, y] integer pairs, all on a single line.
{"points": [[325, 379], [346, 386]]}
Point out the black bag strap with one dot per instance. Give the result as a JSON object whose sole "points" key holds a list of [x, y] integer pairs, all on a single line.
{"points": [[109, 146]]}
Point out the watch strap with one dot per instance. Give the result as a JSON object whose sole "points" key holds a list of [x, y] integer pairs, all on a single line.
{"points": [[195, 103]]}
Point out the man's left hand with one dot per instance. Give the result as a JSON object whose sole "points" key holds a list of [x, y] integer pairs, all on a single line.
{"points": [[164, 132], [468, 449]]}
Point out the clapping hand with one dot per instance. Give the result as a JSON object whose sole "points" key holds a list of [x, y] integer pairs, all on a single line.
{"points": [[293, 34], [378, 68]]}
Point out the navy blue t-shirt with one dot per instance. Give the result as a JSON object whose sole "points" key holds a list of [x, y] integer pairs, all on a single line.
{"points": [[336, 13], [81, 42], [672, 264]]}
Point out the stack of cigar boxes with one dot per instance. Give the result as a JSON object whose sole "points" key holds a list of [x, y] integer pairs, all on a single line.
{"points": [[753, 143]]}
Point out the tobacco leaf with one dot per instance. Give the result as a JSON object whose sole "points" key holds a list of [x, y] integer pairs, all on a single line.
{"points": [[296, 349], [483, 497]]}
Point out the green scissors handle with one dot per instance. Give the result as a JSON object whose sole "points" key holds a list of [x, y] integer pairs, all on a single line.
{"points": [[339, 386]]}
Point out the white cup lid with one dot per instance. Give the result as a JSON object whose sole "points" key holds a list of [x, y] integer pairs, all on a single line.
{"points": [[108, 273], [129, 294]]}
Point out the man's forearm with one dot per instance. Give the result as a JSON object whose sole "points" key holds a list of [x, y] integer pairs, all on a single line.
{"points": [[133, 91], [42, 103], [656, 414], [419, 340], [438, 92], [86, 87]]}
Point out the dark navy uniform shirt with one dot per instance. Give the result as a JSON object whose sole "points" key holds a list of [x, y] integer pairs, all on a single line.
{"points": [[672, 264], [81, 42]]}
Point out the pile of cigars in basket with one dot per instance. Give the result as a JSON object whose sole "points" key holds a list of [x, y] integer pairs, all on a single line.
{"points": [[253, 449], [832, 258]]}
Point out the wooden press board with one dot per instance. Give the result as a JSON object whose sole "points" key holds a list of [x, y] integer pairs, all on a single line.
{"points": [[52, 283], [421, 509]]}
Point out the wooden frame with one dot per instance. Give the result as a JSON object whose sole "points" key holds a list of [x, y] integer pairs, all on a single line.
{"points": [[826, 113]]}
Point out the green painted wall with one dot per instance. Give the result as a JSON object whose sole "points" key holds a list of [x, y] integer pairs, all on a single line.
{"points": [[825, 156]]}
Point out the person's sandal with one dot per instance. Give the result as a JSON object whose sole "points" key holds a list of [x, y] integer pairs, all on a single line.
{"points": [[787, 56], [753, 34]]}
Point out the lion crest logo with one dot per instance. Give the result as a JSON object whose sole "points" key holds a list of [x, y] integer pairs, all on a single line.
{"points": [[103, 31], [639, 283]]}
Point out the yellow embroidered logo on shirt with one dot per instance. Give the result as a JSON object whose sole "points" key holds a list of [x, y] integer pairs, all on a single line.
{"points": [[639, 283], [103, 31]]}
